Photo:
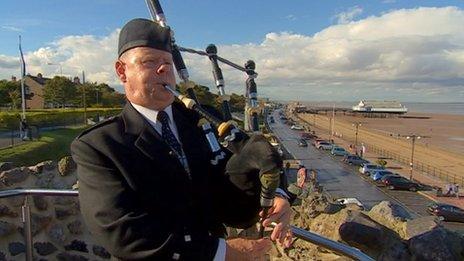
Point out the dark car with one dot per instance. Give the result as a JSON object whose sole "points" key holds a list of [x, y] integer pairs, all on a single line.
{"points": [[307, 136], [398, 182], [448, 212], [354, 160], [302, 143]]}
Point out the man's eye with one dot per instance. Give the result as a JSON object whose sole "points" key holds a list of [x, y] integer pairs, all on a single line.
{"points": [[149, 63]]}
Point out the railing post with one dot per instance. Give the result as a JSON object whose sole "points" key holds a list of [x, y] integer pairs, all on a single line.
{"points": [[26, 219], [12, 138]]}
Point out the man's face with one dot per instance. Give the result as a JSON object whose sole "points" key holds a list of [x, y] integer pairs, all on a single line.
{"points": [[144, 71]]}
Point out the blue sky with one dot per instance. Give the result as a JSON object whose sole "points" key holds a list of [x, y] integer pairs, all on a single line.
{"points": [[196, 23], [259, 29]]}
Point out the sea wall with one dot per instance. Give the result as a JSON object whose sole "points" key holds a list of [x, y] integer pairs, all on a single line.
{"points": [[57, 226]]}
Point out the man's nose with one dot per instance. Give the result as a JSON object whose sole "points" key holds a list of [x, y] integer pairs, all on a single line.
{"points": [[164, 68]]}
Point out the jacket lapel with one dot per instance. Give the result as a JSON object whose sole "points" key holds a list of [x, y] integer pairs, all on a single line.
{"points": [[148, 141]]}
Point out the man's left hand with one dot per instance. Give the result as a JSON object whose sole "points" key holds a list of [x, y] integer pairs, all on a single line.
{"points": [[280, 213]]}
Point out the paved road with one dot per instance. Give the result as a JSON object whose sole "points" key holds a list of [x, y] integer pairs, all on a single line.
{"points": [[342, 180]]}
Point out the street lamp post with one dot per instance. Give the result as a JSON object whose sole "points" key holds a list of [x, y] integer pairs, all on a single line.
{"points": [[356, 124], [83, 97], [413, 142]]}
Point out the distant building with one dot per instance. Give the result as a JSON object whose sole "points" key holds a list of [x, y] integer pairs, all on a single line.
{"points": [[34, 86], [367, 106]]}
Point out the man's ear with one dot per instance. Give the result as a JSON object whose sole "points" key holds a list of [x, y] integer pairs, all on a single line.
{"points": [[120, 70]]}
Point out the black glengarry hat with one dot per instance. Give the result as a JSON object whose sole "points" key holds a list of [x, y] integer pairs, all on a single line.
{"points": [[143, 32]]}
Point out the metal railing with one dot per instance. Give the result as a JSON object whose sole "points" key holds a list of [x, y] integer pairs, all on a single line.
{"points": [[298, 232], [26, 209]]}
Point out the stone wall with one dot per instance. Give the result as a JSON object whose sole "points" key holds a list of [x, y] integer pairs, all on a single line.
{"points": [[57, 226], [385, 232]]}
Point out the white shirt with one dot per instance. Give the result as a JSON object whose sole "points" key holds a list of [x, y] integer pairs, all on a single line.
{"points": [[151, 116]]}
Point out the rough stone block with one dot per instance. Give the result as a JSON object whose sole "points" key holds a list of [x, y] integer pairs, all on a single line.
{"points": [[40, 202], [14, 176], [45, 180], [38, 224], [62, 213], [6, 229], [42, 167], [101, 252], [57, 234], [75, 227], [44, 248], [6, 165], [66, 165], [5, 211], [16, 248], [437, 244], [419, 226], [361, 231], [77, 245]]}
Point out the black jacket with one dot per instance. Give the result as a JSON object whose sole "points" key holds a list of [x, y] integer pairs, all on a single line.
{"points": [[138, 201]]}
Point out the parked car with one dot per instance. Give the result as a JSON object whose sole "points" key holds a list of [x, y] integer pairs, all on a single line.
{"points": [[302, 143], [317, 140], [338, 151], [369, 168], [446, 212], [307, 136], [324, 145], [398, 182], [297, 127], [354, 160], [379, 174], [346, 201]]}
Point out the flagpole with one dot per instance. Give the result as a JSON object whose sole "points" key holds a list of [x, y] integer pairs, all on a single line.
{"points": [[23, 74]]}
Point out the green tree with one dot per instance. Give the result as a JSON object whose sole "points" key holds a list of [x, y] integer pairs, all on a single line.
{"points": [[10, 93], [205, 97], [60, 91], [237, 102]]}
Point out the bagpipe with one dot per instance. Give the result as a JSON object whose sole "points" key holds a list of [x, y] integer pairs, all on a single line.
{"points": [[253, 150], [254, 162]]}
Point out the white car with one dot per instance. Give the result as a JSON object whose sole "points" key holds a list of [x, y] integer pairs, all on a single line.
{"points": [[324, 145], [297, 127], [369, 168], [346, 201]]}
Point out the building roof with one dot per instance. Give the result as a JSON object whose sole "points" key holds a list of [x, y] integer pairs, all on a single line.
{"points": [[380, 104], [39, 79]]}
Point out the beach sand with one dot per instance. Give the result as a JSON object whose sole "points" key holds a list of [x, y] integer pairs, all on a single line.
{"points": [[444, 149], [445, 131]]}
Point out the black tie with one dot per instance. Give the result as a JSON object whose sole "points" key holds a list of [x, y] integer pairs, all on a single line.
{"points": [[167, 134]]}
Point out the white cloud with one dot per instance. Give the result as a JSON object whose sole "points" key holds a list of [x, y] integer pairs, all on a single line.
{"points": [[409, 54], [11, 28], [349, 15], [291, 17]]}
